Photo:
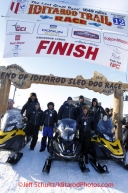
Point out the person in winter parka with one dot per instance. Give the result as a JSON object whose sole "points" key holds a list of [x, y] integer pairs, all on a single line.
{"points": [[30, 104], [49, 121], [85, 123], [27, 109], [97, 111], [67, 110], [80, 105], [35, 118]]}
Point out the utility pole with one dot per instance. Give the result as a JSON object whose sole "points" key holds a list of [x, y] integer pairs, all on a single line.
{"points": [[14, 94]]}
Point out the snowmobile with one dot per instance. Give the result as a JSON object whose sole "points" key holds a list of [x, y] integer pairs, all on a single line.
{"points": [[65, 145], [104, 145], [12, 135]]}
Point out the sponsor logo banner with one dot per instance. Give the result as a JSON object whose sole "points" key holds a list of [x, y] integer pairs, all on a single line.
{"points": [[52, 30], [19, 27], [85, 34], [116, 40], [28, 39], [61, 12]]}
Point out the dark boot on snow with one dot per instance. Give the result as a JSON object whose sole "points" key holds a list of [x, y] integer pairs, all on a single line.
{"points": [[31, 148], [41, 150]]}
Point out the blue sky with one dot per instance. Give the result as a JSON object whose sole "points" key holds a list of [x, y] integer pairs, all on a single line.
{"points": [[61, 67]]}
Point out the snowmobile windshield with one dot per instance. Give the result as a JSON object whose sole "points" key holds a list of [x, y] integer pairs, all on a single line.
{"points": [[107, 129], [67, 129], [10, 119]]}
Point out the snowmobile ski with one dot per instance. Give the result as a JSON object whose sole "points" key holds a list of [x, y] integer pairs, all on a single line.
{"points": [[15, 158], [47, 165], [123, 164], [82, 165], [98, 167]]}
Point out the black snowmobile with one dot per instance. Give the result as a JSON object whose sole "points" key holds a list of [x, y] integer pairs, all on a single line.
{"points": [[65, 146], [104, 145], [12, 135]]}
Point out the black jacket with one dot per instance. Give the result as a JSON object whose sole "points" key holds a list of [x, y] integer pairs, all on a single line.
{"points": [[35, 117], [79, 107], [85, 123], [29, 106], [67, 111], [97, 111], [49, 118]]}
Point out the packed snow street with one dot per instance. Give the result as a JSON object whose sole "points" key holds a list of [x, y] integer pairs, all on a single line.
{"points": [[27, 176]]}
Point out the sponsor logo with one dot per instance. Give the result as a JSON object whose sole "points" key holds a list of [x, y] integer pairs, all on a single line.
{"points": [[15, 53], [95, 24], [45, 17], [19, 6], [17, 37], [13, 43], [52, 30], [115, 59], [114, 65], [53, 26], [118, 21], [116, 54], [116, 40], [16, 49], [86, 34], [19, 27]]}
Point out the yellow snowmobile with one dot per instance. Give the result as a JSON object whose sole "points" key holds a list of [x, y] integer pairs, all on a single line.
{"points": [[12, 135], [104, 145]]}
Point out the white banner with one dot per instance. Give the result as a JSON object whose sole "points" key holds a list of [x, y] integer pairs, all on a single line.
{"points": [[27, 39], [49, 11]]}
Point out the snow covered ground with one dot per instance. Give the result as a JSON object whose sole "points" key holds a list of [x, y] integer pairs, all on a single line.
{"points": [[27, 176]]}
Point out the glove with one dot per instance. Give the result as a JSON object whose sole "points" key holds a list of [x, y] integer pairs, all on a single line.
{"points": [[54, 128], [25, 119], [105, 118], [123, 126]]}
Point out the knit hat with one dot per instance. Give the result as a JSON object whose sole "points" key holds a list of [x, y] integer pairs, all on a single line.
{"points": [[69, 98], [33, 94], [50, 103]]}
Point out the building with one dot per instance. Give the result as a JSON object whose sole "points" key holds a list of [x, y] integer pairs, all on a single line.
{"points": [[86, 100]]}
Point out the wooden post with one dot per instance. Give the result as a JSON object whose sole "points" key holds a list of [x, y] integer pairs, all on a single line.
{"points": [[118, 113], [4, 94]]}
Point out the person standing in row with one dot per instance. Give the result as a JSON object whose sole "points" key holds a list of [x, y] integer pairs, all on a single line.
{"points": [[85, 123], [27, 109], [80, 105], [49, 121], [67, 110], [97, 111], [35, 118], [30, 104]]}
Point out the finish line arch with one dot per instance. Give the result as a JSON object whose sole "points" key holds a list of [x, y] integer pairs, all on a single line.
{"points": [[98, 83]]}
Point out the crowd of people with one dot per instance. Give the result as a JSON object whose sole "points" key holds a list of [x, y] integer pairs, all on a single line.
{"points": [[86, 118]]}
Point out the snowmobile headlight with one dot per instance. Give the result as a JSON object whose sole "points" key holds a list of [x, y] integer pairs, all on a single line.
{"points": [[9, 128], [64, 136], [71, 137]]}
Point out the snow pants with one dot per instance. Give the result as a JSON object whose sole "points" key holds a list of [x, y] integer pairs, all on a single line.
{"points": [[47, 132]]}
